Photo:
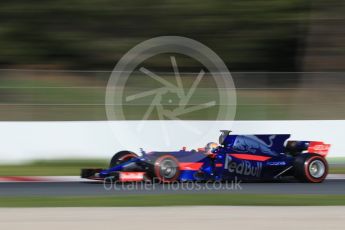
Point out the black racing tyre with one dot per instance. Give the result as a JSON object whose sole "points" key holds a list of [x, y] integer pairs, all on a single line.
{"points": [[311, 168], [121, 157], [166, 169]]}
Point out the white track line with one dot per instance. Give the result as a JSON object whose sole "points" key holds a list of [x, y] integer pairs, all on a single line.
{"points": [[38, 179]]}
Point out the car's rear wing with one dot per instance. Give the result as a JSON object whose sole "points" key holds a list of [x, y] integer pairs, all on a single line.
{"points": [[318, 147]]}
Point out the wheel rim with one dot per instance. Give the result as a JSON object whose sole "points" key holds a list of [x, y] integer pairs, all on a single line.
{"points": [[168, 168], [317, 168]]}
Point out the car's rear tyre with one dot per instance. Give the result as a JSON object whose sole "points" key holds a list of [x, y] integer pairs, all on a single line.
{"points": [[311, 168], [166, 169], [121, 157]]}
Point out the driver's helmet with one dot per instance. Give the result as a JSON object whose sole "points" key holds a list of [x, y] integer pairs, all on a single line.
{"points": [[210, 147]]}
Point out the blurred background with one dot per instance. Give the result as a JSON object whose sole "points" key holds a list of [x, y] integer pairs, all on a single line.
{"points": [[286, 56]]}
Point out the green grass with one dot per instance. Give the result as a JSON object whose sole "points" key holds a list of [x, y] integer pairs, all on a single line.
{"points": [[336, 160], [72, 167], [173, 200], [337, 170], [74, 97]]}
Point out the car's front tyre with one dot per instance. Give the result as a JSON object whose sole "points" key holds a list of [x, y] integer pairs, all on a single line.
{"points": [[166, 169]]}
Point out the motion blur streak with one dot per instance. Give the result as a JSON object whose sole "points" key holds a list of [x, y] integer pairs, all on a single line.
{"points": [[191, 218], [268, 35], [296, 46]]}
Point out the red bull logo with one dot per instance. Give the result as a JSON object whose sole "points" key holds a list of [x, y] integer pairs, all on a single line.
{"points": [[245, 167]]}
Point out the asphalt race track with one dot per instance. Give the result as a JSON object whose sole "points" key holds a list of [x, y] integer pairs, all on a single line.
{"points": [[329, 186]]}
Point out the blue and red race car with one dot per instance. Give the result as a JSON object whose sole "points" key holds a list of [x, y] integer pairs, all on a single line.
{"points": [[246, 157]]}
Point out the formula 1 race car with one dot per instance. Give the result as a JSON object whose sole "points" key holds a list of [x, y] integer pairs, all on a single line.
{"points": [[246, 157]]}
